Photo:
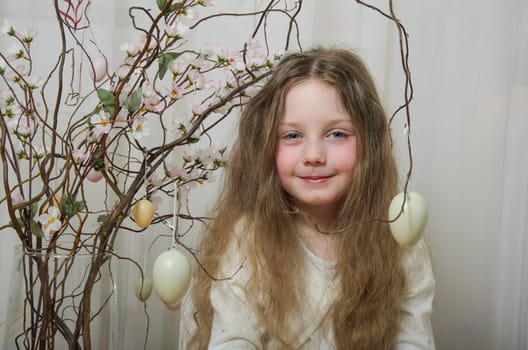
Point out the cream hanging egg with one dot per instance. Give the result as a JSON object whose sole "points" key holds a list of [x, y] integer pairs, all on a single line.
{"points": [[410, 225], [143, 288], [171, 277]]}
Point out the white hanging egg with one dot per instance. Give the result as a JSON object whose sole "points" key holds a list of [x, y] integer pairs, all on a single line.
{"points": [[143, 288], [410, 225], [171, 276], [98, 70]]}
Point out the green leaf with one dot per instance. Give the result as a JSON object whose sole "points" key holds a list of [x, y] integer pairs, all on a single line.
{"points": [[161, 4], [174, 7], [163, 61], [21, 223], [79, 206], [33, 210], [96, 110], [107, 99], [70, 207], [99, 164], [134, 101], [36, 230], [102, 218], [123, 99]]}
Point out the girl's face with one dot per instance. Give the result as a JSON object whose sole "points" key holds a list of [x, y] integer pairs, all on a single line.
{"points": [[316, 148]]}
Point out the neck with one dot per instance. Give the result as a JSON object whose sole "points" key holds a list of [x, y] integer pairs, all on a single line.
{"points": [[322, 245]]}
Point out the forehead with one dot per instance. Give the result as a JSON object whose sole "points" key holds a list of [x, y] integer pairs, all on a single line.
{"points": [[313, 96]]}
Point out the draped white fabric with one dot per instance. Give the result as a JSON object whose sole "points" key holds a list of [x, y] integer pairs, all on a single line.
{"points": [[469, 64]]}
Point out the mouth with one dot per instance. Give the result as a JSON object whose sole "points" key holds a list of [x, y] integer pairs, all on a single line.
{"points": [[316, 179]]}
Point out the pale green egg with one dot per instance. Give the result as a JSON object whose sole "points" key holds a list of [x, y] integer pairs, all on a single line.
{"points": [[410, 225], [143, 288], [171, 276]]}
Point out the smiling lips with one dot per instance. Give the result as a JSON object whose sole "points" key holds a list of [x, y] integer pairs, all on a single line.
{"points": [[316, 179]]}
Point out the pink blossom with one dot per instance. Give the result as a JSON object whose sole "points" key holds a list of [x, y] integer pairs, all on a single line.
{"points": [[34, 83], [175, 171], [178, 66], [198, 108], [152, 43], [7, 29], [175, 91], [122, 71], [154, 180], [197, 79], [148, 89], [154, 104], [237, 61], [207, 50], [182, 122], [20, 71], [130, 48], [122, 115], [79, 155], [15, 52], [27, 36], [221, 52], [176, 29]]}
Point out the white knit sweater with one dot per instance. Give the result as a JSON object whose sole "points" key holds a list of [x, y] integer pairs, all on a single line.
{"points": [[236, 325]]}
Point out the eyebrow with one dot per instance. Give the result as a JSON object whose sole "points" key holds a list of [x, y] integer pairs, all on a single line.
{"points": [[330, 122]]}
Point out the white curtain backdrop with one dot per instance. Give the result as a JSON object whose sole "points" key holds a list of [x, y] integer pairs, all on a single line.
{"points": [[469, 65]]}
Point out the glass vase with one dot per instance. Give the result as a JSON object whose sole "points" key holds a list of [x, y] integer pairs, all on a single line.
{"points": [[58, 300]]}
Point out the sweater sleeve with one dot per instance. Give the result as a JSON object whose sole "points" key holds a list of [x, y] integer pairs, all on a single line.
{"points": [[235, 324], [415, 327], [235, 321]]}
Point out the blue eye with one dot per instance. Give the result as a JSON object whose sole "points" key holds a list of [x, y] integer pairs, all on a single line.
{"points": [[291, 136], [338, 134]]}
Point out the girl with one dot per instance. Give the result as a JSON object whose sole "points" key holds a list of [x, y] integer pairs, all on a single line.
{"points": [[302, 257]]}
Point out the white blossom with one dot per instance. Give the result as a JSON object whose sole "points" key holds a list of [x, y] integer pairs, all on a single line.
{"points": [[50, 221], [7, 28], [139, 129], [101, 124]]}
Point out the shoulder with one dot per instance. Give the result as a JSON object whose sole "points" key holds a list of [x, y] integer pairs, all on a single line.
{"points": [[416, 262], [235, 257], [415, 323]]}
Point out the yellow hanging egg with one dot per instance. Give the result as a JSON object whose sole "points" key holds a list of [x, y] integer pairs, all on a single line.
{"points": [[143, 213]]}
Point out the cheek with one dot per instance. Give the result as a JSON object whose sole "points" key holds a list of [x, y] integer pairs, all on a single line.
{"points": [[284, 160], [345, 161]]}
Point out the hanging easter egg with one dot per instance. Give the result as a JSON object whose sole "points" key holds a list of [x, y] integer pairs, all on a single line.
{"points": [[171, 276], [98, 68], [94, 175], [143, 288], [143, 213], [410, 225]]}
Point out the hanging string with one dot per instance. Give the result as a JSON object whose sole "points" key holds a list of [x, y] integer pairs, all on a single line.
{"points": [[175, 211]]}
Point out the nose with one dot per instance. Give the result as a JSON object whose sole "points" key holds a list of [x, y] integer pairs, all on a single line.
{"points": [[314, 153]]}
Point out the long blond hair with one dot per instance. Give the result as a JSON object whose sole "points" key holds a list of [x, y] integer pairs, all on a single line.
{"points": [[366, 312]]}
